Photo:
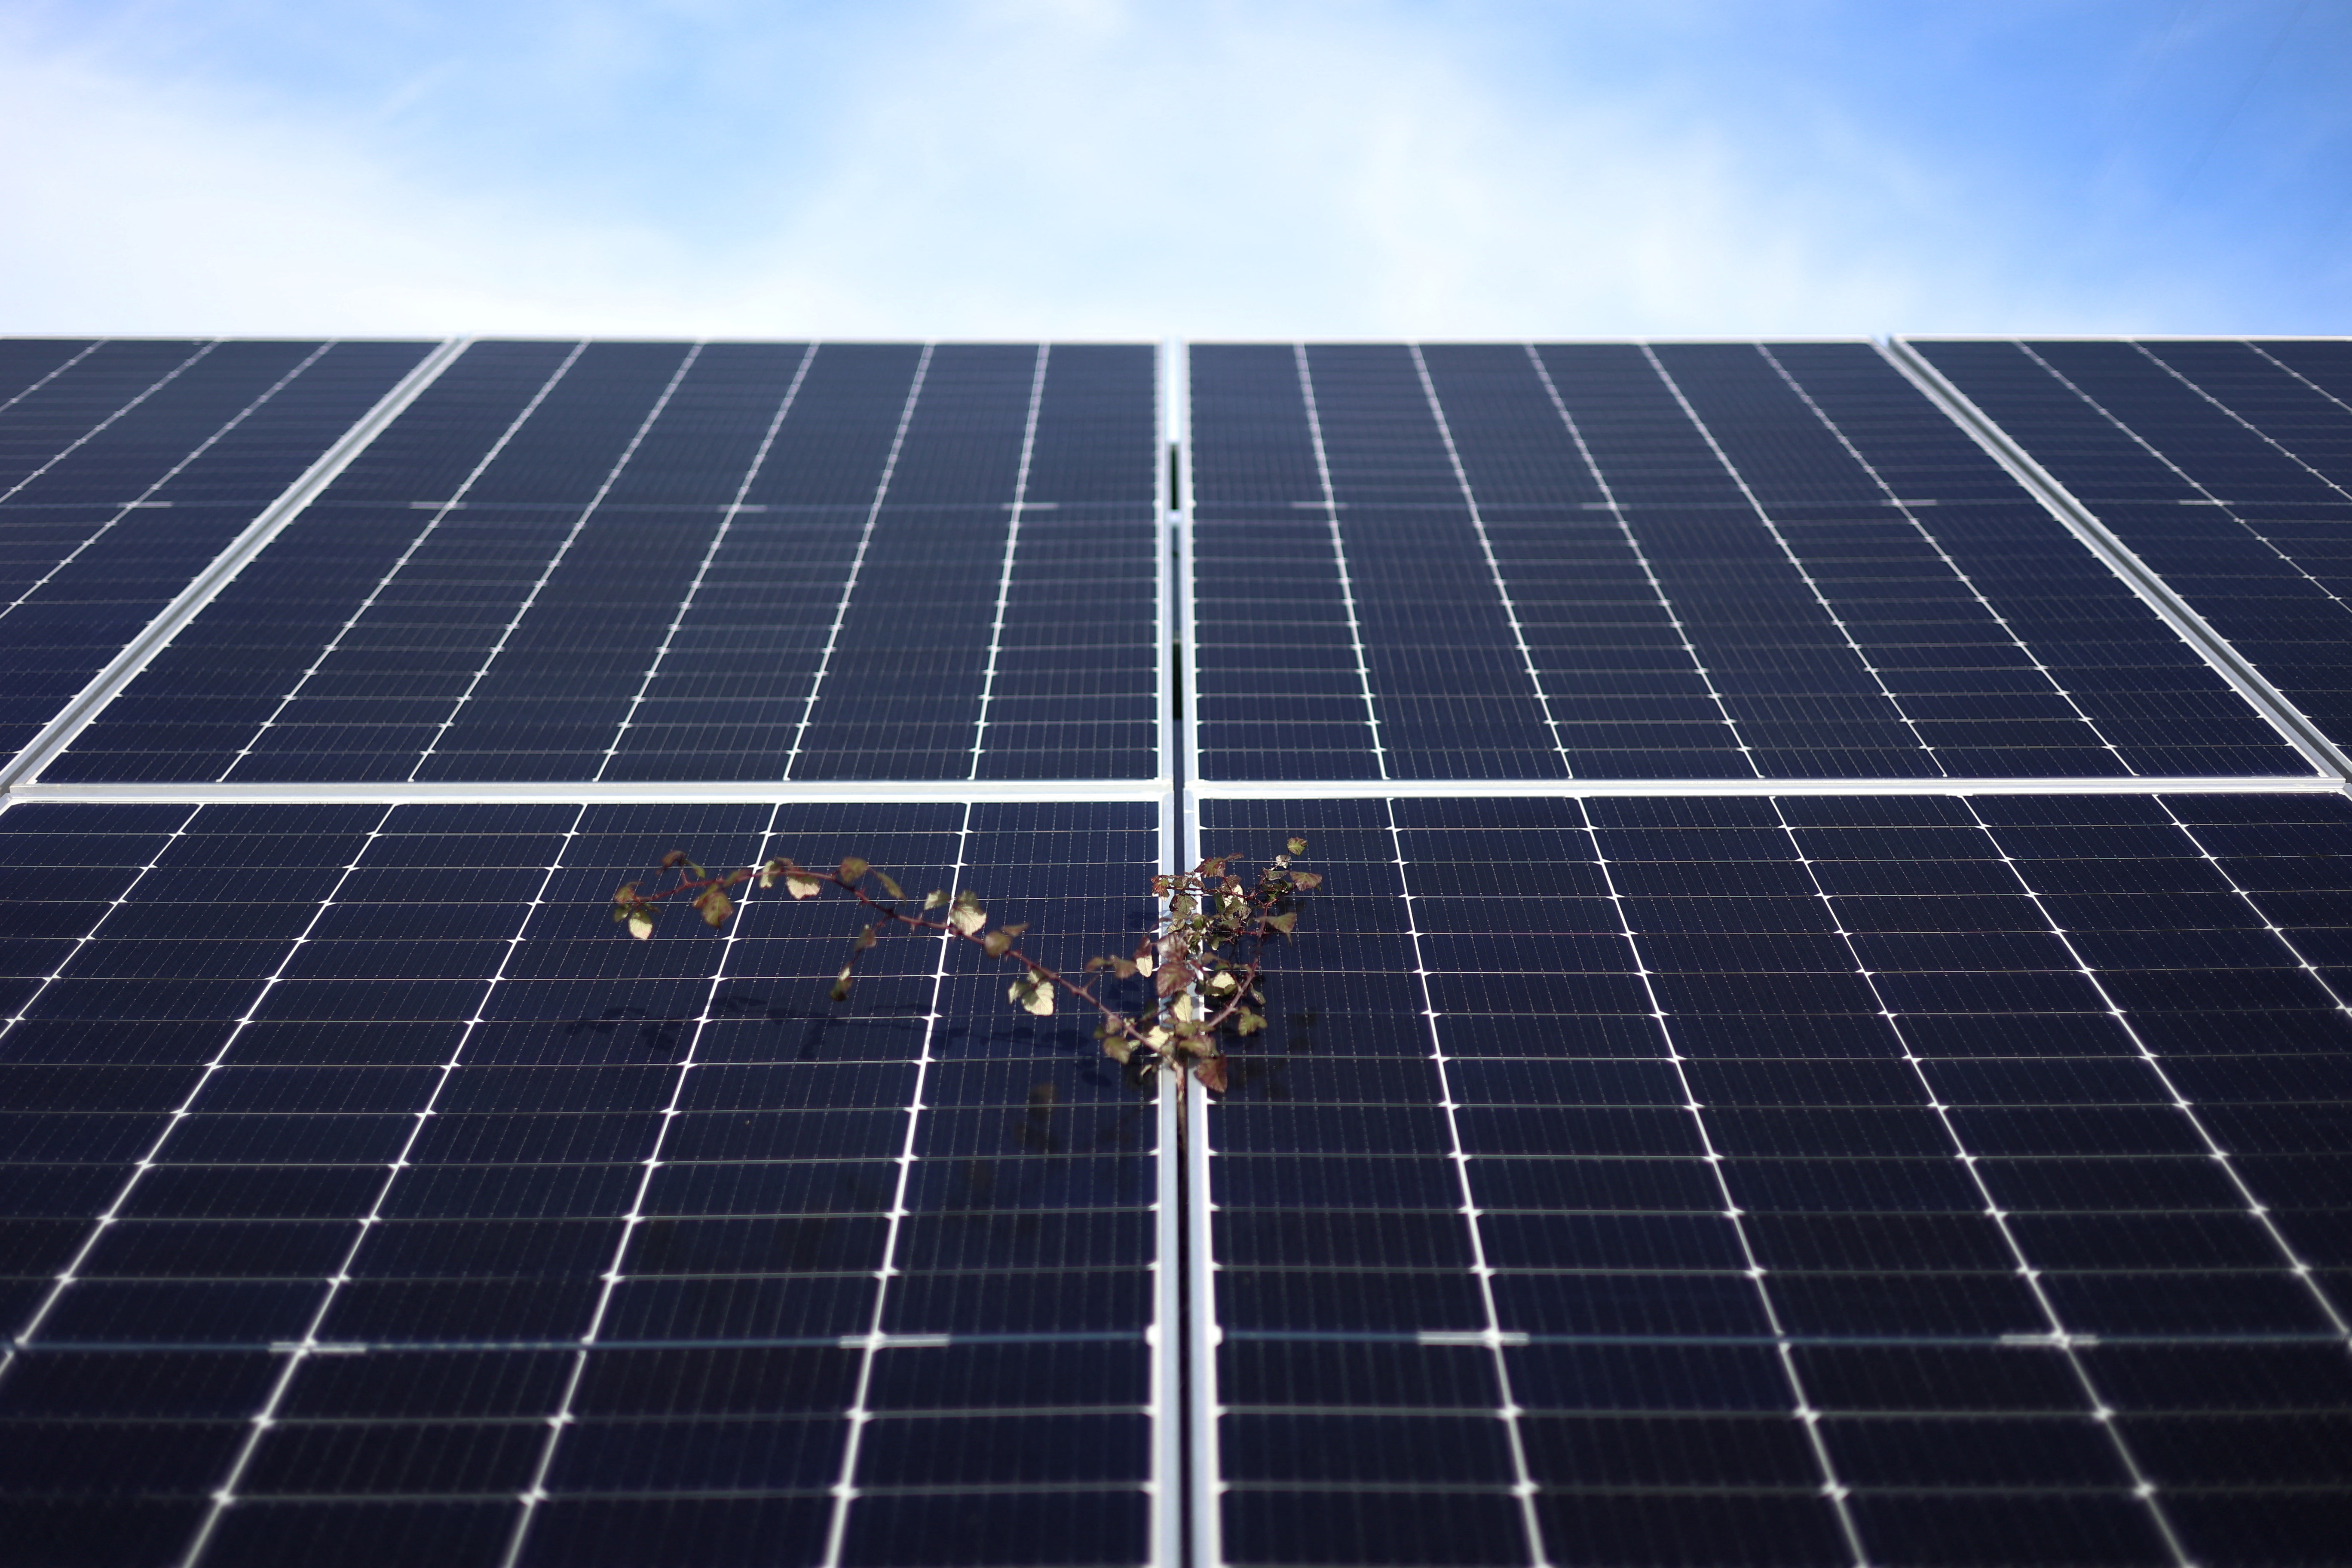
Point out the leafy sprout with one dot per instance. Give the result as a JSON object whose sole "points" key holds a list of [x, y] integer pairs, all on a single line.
{"points": [[1204, 962]]}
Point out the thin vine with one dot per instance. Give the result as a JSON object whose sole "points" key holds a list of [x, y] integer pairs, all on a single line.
{"points": [[1204, 962]]}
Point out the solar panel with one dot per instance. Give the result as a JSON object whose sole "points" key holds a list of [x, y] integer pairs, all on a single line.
{"points": [[1620, 561], [1795, 1179], [614, 561], [2220, 463], [438, 1220], [126, 466]]}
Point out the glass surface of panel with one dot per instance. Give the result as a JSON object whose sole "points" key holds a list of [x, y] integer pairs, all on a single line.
{"points": [[1806, 1180], [639, 562], [127, 466], [2225, 466], [373, 1197], [1680, 560]]}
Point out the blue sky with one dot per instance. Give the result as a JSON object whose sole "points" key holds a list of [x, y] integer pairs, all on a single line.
{"points": [[1009, 168]]}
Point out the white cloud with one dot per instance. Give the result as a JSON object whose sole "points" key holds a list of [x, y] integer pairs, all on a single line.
{"points": [[988, 168]]}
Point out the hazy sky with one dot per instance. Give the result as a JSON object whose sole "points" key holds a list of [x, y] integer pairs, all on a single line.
{"points": [[1276, 168]]}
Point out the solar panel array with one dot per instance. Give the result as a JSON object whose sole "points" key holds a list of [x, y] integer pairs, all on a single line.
{"points": [[1801, 1159], [1824, 1039]]}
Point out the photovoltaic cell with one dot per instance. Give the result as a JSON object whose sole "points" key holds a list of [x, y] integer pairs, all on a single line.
{"points": [[620, 561], [2224, 465], [374, 1199], [1686, 560], [126, 466], [1812, 1179]]}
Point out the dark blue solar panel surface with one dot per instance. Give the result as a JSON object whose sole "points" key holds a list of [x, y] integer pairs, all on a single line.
{"points": [[359, 1170], [126, 466], [2225, 466], [727, 561], [1812, 1180], [1608, 561]]}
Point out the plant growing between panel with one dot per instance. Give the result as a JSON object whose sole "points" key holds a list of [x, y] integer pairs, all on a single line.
{"points": [[1204, 964]]}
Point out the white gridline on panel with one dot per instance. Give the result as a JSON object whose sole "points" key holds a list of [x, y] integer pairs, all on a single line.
{"points": [[570, 537], [710, 554], [1796, 563], [2228, 509], [1640, 557], [70, 448], [431, 525], [1911, 516], [2068, 1342], [169, 474], [2280, 446], [858, 560], [84, 353]]}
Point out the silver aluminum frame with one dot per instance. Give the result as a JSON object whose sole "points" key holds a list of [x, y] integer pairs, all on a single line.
{"points": [[1203, 1335], [1441, 789]]}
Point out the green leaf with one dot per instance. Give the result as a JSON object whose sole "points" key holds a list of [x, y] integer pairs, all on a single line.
{"points": [[715, 905], [1285, 922], [770, 871], [888, 886], [801, 885], [840, 984], [865, 940], [854, 869], [997, 943], [1299, 846], [934, 899], [1305, 881], [1249, 1023]]}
